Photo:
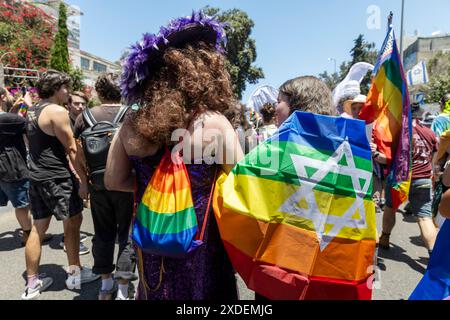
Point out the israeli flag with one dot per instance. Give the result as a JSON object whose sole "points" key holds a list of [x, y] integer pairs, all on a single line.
{"points": [[418, 74]]}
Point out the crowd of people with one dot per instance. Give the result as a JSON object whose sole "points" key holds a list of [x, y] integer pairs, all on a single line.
{"points": [[56, 160]]}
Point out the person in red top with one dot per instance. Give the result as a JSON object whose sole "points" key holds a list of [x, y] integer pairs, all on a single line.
{"points": [[425, 145]]}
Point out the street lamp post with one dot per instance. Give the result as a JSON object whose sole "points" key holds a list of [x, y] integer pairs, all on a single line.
{"points": [[335, 64]]}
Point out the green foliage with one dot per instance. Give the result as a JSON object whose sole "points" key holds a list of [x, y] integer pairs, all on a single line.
{"points": [[439, 65], [77, 79], [439, 73], [94, 102], [439, 86], [60, 51], [26, 35], [331, 80], [241, 48], [362, 51]]}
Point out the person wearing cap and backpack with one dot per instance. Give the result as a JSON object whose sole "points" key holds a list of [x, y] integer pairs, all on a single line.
{"points": [[111, 211]]}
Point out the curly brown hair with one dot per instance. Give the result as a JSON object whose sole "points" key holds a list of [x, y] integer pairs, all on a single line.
{"points": [[187, 82], [108, 88], [51, 82], [268, 113]]}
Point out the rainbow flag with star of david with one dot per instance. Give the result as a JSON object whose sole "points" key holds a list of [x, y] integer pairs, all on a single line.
{"points": [[296, 215]]}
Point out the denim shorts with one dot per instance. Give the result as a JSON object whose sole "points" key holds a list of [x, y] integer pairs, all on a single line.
{"points": [[16, 193], [420, 198]]}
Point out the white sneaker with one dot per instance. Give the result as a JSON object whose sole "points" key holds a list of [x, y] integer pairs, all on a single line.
{"points": [[34, 293], [76, 279]]}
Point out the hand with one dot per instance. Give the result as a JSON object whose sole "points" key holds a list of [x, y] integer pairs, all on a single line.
{"points": [[16, 105], [373, 147], [83, 192], [28, 100]]}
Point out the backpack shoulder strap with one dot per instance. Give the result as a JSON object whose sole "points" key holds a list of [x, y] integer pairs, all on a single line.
{"points": [[208, 208], [89, 117], [121, 114]]}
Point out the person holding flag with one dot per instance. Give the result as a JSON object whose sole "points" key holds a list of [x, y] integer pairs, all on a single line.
{"points": [[388, 110], [296, 215]]}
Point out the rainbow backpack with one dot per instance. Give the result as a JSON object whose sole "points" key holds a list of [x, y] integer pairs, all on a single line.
{"points": [[165, 223]]}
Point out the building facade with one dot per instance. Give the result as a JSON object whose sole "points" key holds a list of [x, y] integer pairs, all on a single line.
{"points": [[425, 48], [91, 65]]}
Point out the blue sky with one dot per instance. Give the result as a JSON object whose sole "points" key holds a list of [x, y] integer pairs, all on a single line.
{"points": [[293, 37]]}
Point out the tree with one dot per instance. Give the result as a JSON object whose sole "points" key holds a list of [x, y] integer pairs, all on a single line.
{"points": [[439, 73], [26, 34], [331, 80], [241, 48], [77, 79], [362, 51], [60, 52]]}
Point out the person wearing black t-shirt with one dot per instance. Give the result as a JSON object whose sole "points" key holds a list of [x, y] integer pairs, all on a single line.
{"points": [[14, 183]]}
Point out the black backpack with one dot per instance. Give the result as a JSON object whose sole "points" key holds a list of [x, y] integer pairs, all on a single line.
{"points": [[96, 141]]}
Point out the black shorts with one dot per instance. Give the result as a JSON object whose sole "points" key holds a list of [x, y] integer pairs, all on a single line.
{"points": [[57, 197]]}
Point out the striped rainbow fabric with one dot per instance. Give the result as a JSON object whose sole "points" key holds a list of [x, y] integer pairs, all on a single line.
{"points": [[23, 110], [388, 109], [297, 216], [165, 222]]}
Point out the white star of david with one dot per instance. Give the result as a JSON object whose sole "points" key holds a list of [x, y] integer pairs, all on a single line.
{"points": [[307, 185]]}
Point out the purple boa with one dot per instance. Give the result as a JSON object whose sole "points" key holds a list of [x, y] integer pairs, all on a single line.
{"points": [[136, 65]]}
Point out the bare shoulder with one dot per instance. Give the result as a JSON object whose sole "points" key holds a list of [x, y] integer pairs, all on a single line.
{"points": [[54, 111], [216, 120]]}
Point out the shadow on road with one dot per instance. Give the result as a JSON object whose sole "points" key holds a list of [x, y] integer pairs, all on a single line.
{"points": [[397, 253], [59, 275], [10, 241], [417, 241], [54, 271], [89, 291], [408, 218]]}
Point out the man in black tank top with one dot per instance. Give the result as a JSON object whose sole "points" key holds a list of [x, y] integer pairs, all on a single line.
{"points": [[53, 188]]}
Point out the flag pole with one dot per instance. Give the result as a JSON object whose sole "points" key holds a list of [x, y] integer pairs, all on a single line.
{"points": [[390, 18], [401, 31]]}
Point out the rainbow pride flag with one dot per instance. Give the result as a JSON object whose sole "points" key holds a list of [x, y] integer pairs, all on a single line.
{"points": [[165, 222], [388, 109], [23, 110], [297, 216]]}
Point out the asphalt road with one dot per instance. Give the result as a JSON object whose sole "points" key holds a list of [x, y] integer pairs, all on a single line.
{"points": [[399, 269]]}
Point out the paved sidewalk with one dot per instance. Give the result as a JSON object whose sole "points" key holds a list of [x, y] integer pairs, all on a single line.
{"points": [[401, 267]]}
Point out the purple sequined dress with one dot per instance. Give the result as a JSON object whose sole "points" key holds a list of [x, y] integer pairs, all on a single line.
{"points": [[207, 274]]}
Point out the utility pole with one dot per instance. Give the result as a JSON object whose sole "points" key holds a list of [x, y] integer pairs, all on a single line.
{"points": [[401, 30]]}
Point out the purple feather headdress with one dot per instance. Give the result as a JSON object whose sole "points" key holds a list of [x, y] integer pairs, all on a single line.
{"points": [[136, 67]]}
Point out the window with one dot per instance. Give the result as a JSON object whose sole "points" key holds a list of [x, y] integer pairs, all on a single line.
{"points": [[99, 67], [85, 63]]}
